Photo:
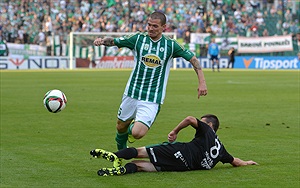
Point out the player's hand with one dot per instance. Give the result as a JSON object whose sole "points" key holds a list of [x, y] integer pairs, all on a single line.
{"points": [[98, 42], [172, 136], [251, 163], [202, 90]]}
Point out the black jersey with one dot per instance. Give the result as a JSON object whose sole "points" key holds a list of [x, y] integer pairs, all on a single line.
{"points": [[231, 56], [202, 153], [206, 150]]}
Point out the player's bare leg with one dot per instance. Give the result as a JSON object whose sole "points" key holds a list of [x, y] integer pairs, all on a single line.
{"points": [[144, 166]]}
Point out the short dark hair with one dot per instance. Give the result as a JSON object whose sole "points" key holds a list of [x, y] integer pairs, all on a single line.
{"points": [[159, 15], [210, 118]]}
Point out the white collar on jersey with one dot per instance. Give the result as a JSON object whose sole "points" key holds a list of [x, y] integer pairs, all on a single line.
{"points": [[155, 40]]}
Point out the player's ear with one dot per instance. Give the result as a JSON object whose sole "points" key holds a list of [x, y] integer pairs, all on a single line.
{"points": [[211, 125]]}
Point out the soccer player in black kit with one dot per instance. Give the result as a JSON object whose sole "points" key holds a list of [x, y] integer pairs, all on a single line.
{"points": [[202, 153]]}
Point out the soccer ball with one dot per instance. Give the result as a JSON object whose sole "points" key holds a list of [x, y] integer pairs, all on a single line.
{"points": [[55, 101]]}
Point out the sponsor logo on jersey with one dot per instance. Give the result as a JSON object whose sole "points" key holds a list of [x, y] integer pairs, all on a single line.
{"points": [[151, 60]]}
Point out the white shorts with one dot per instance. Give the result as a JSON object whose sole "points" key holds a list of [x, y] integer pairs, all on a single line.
{"points": [[141, 111]]}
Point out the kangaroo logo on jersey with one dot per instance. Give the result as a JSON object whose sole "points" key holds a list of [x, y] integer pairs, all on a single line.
{"points": [[151, 60]]}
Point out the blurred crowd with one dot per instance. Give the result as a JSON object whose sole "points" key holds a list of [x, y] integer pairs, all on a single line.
{"points": [[31, 21]]}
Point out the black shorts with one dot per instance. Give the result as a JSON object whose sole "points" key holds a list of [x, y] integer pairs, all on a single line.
{"points": [[168, 157], [214, 57]]}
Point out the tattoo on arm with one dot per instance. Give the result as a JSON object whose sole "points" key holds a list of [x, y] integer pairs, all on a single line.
{"points": [[108, 41], [196, 64]]}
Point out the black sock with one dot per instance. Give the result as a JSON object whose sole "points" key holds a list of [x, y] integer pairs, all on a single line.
{"points": [[127, 153], [130, 168]]}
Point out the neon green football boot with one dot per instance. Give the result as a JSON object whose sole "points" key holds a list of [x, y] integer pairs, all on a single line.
{"points": [[110, 156], [112, 171]]}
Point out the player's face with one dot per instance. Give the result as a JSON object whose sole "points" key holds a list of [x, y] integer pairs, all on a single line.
{"points": [[155, 28]]}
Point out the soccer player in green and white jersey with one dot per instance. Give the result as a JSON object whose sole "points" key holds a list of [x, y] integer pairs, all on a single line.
{"points": [[146, 88]]}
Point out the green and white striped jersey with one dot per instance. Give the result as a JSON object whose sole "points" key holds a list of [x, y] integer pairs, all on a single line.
{"points": [[153, 60]]}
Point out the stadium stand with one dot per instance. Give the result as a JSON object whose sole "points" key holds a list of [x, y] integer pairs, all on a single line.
{"points": [[32, 21]]}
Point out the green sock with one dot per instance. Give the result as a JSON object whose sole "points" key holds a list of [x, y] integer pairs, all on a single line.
{"points": [[130, 128], [121, 139]]}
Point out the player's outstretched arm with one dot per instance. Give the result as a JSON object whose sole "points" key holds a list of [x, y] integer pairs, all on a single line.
{"points": [[107, 41], [239, 162], [202, 89]]}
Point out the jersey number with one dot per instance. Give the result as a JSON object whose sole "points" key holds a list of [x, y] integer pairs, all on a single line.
{"points": [[214, 151]]}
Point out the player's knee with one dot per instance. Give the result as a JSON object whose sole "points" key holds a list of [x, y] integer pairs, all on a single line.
{"points": [[139, 131], [138, 135]]}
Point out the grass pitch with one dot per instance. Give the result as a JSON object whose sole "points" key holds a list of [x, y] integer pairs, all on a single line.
{"points": [[258, 112]]}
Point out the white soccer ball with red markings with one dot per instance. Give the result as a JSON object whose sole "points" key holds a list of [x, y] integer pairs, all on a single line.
{"points": [[55, 101]]}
